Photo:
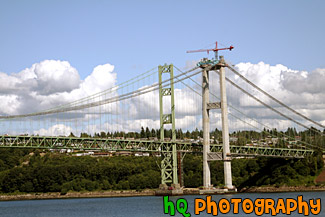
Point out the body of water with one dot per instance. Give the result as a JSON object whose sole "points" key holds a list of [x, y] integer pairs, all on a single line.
{"points": [[134, 206]]}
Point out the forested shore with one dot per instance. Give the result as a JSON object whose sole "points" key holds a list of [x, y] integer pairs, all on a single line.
{"points": [[34, 171]]}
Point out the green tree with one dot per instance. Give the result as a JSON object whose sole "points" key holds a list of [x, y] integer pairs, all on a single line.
{"points": [[148, 133], [142, 133]]}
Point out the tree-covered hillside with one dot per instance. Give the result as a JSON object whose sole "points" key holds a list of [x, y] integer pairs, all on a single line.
{"points": [[25, 170]]}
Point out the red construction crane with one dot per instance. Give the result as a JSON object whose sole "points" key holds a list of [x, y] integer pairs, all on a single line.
{"points": [[215, 50]]}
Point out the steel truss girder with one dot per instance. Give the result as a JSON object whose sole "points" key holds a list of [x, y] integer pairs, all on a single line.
{"points": [[105, 144], [167, 164], [257, 151]]}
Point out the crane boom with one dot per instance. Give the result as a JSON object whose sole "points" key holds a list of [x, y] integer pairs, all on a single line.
{"points": [[201, 50], [215, 50]]}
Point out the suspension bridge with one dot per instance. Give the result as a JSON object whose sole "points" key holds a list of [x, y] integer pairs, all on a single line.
{"points": [[189, 99]]}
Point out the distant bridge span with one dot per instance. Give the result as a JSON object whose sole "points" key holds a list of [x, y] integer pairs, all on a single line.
{"points": [[105, 144]]}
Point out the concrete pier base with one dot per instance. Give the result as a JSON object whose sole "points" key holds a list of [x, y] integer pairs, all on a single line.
{"points": [[173, 190], [211, 191]]}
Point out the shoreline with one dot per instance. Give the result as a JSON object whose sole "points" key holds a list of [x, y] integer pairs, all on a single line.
{"points": [[147, 192], [72, 195], [274, 189]]}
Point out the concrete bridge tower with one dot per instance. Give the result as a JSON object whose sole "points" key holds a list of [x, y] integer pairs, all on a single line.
{"points": [[206, 106]]}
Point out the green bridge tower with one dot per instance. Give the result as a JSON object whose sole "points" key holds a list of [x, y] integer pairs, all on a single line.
{"points": [[169, 157]]}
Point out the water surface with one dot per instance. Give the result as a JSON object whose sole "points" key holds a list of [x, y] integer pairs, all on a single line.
{"points": [[130, 206]]}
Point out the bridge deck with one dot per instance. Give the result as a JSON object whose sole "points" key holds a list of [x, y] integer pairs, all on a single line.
{"points": [[105, 144]]}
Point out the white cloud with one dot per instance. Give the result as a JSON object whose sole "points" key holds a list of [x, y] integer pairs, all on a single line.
{"points": [[101, 78], [9, 103], [55, 130], [304, 82], [52, 76], [48, 84], [8, 83]]}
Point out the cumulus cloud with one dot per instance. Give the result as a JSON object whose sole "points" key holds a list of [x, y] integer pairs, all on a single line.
{"points": [[9, 103], [44, 78], [304, 82], [52, 76], [9, 83], [48, 84], [101, 78]]}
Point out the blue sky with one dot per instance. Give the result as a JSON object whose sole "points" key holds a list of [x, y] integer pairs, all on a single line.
{"points": [[55, 52], [135, 36]]}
